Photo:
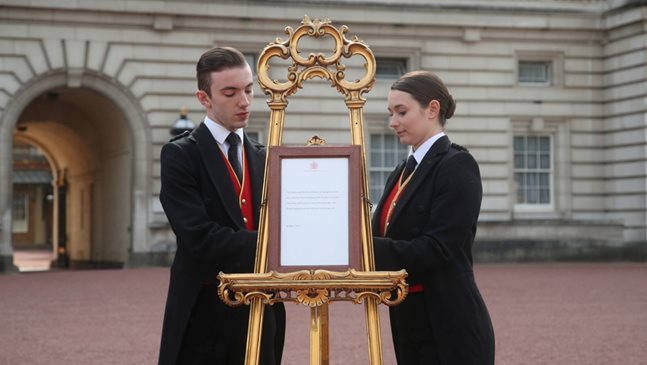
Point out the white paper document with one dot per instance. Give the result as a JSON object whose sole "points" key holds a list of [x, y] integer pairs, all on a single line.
{"points": [[314, 211]]}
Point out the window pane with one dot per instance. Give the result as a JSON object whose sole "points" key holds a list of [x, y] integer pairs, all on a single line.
{"points": [[533, 196], [544, 144], [19, 209], [519, 161], [532, 161], [532, 180], [376, 142], [390, 68], [20, 212], [544, 196], [544, 161], [375, 176], [543, 180], [519, 144], [534, 72], [520, 179], [376, 158], [389, 143], [391, 159], [532, 144], [375, 194], [521, 197]]}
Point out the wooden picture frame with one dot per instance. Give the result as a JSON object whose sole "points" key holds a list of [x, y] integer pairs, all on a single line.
{"points": [[314, 208]]}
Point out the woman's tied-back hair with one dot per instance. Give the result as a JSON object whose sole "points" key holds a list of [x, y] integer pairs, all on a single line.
{"points": [[214, 60], [424, 87]]}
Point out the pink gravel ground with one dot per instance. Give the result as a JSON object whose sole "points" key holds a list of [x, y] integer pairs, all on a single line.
{"points": [[542, 313]]}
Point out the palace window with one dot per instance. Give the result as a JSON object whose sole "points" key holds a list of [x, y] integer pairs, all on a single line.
{"points": [[388, 68], [20, 212], [533, 169], [386, 152], [535, 72]]}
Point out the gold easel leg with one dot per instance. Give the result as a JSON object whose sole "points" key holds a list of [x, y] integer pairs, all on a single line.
{"points": [[325, 344], [319, 335], [374, 338], [254, 329]]}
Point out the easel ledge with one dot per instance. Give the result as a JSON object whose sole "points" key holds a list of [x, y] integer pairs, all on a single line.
{"points": [[313, 288]]}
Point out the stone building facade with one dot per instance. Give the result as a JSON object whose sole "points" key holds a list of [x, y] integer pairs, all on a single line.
{"points": [[551, 95]]}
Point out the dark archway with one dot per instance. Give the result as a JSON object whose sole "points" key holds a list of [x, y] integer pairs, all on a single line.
{"points": [[89, 142], [99, 141]]}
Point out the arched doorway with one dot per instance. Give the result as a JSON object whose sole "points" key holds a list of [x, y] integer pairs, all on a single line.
{"points": [[89, 144]]}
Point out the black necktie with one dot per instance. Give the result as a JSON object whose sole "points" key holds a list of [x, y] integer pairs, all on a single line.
{"points": [[232, 154], [409, 167]]}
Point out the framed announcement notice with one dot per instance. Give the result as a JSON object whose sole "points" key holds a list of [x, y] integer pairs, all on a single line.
{"points": [[314, 208]]}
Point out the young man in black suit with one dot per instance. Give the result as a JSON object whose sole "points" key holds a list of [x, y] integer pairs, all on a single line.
{"points": [[211, 189]]}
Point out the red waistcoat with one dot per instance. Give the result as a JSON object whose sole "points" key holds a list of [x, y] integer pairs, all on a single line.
{"points": [[243, 192], [391, 201]]}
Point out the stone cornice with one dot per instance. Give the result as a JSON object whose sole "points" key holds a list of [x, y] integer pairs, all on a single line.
{"points": [[210, 6], [521, 14]]}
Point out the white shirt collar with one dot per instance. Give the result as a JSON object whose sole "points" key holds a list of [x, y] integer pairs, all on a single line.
{"points": [[220, 133], [420, 153]]}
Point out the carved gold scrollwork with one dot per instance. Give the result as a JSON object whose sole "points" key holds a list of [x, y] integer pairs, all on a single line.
{"points": [[316, 65], [312, 297], [313, 288], [316, 141]]}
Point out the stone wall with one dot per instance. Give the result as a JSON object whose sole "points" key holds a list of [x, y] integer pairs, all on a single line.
{"points": [[145, 50]]}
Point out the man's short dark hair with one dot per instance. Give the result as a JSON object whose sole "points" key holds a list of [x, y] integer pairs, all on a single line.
{"points": [[214, 60]]}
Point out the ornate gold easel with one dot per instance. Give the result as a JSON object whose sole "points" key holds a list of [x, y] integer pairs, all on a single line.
{"points": [[315, 288]]}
